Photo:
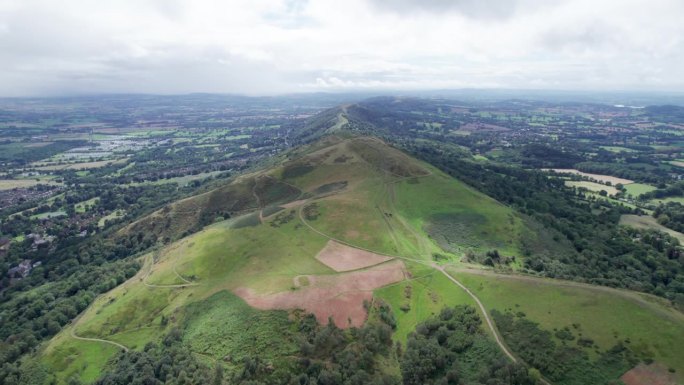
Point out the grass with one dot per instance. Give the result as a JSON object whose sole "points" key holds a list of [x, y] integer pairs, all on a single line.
{"points": [[82, 165], [84, 206], [181, 180], [605, 317], [591, 186], [114, 215], [9, 184], [456, 216], [636, 189], [66, 357], [649, 223], [51, 214], [617, 149], [414, 301]]}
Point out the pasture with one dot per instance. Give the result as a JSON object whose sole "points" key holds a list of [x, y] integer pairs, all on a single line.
{"points": [[606, 316], [592, 186], [597, 177], [636, 189], [649, 223]]}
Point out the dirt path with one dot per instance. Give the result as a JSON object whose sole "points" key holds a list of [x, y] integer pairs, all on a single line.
{"points": [[186, 284], [72, 333], [482, 308], [258, 201]]}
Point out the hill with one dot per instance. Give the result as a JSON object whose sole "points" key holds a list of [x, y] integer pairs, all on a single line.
{"points": [[347, 228]]}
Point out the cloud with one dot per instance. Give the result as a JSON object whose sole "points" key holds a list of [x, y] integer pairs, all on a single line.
{"points": [[494, 9], [274, 46]]}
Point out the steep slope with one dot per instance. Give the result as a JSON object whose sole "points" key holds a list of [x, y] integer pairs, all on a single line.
{"points": [[344, 222]]}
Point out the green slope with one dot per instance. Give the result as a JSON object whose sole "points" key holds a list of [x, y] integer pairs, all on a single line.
{"points": [[356, 190]]}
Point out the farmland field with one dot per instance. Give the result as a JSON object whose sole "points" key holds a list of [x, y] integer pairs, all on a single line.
{"points": [[9, 184], [592, 186], [648, 222], [601, 178], [636, 189]]}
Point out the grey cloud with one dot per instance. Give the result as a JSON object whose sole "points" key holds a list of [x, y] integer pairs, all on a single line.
{"points": [[495, 9]]}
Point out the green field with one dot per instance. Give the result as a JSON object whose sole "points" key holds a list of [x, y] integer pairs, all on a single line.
{"points": [[415, 300], [617, 149], [9, 184], [605, 315], [51, 214], [592, 186], [649, 223], [636, 189]]}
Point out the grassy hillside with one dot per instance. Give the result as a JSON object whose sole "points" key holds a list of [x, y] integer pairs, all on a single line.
{"points": [[602, 315], [230, 288]]}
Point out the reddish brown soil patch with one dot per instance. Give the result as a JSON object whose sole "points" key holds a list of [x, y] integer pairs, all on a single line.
{"points": [[654, 374], [337, 296], [340, 257]]}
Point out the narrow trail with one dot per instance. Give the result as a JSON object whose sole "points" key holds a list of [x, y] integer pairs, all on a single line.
{"points": [[149, 272], [72, 334], [482, 308], [258, 201]]}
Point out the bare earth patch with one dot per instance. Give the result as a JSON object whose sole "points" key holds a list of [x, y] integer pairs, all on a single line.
{"points": [[337, 296], [340, 257], [654, 374]]}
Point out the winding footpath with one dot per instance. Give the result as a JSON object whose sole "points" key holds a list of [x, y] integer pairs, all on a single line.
{"points": [[72, 333]]}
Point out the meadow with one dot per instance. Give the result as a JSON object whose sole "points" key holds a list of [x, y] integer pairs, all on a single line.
{"points": [[649, 223], [606, 316], [636, 189]]}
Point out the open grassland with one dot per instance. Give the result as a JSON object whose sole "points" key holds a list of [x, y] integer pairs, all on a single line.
{"points": [[592, 186], [617, 149], [181, 180], [636, 189], [455, 216], [649, 223], [598, 177], [669, 199], [9, 184], [604, 315], [415, 300], [79, 166], [114, 215], [67, 357]]}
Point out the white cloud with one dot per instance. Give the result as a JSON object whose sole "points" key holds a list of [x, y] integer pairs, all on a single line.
{"points": [[274, 46]]}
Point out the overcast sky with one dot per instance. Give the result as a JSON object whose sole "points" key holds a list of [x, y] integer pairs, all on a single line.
{"points": [[267, 47]]}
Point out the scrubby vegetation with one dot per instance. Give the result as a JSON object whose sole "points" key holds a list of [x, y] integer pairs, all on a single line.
{"points": [[567, 363], [452, 349]]}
